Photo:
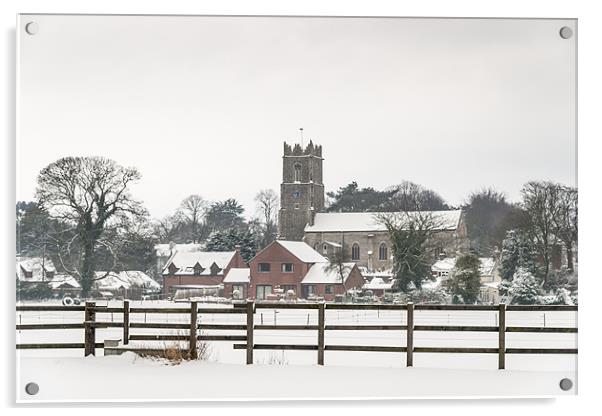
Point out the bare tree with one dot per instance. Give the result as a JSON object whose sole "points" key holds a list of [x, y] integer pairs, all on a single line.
{"points": [[169, 228], [193, 209], [542, 201], [340, 262], [565, 221], [91, 194], [267, 208], [409, 196]]}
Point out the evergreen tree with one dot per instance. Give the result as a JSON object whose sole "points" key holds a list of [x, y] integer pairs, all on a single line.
{"points": [[223, 215], [518, 251], [229, 239], [466, 281], [524, 289], [352, 198], [412, 247], [504, 288]]}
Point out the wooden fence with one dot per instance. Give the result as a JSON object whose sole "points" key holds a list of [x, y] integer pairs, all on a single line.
{"points": [[249, 309]]}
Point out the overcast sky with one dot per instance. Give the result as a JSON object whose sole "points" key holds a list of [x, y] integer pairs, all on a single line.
{"points": [[203, 104]]}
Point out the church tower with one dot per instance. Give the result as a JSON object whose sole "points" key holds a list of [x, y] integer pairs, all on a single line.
{"points": [[301, 191]]}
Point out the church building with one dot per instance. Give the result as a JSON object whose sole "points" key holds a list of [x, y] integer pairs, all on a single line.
{"points": [[301, 191], [363, 238]]}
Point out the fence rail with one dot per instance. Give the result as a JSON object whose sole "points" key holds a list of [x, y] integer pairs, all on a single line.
{"points": [[248, 309]]}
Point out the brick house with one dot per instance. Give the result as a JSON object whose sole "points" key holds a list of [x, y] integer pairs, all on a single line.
{"points": [[236, 283], [326, 282], [201, 269], [285, 265]]}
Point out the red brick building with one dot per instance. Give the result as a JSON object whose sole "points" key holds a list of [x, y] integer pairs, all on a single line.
{"points": [[198, 270], [325, 282], [285, 266], [236, 283]]}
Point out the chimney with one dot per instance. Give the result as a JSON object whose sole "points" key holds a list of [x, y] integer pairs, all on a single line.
{"points": [[238, 256]]}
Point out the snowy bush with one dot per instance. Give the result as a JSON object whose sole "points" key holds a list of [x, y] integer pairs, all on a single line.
{"points": [[504, 287], [466, 281], [524, 289], [518, 251], [432, 296]]}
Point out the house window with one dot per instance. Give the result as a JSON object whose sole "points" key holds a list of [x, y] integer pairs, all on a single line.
{"points": [[198, 269], [325, 249], [355, 251], [238, 292], [297, 172], [287, 267], [309, 290], [264, 267], [329, 289], [286, 288], [263, 291], [296, 206], [382, 252], [215, 269]]}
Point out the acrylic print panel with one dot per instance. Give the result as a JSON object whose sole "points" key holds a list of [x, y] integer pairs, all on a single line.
{"points": [[222, 207]]}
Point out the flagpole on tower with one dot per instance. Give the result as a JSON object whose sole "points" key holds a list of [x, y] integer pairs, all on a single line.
{"points": [[301, 130]]}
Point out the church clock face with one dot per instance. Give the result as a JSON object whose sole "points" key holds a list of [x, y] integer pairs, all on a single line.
{"points": [[297, 194]]}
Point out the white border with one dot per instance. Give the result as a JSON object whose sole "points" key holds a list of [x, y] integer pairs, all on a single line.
{"points": [[590, 68]]}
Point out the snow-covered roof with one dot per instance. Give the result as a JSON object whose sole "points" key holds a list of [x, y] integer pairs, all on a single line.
{"points": [[432, 284], [302, 251], [487, 265], [124, 279], [185, 262], [494, 285], [448, 264], [367, 221], [33, 265], [378, 284], [166, 250], [63, 280], [383, 274], [333, 244], [324, 273], [236, 275]]}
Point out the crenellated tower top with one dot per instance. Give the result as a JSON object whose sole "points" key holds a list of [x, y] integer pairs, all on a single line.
{"points": [[297, 150]]}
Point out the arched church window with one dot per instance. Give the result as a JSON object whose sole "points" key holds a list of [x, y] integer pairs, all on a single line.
{"points": [[382, 252], [297, 172], [355, 251]]}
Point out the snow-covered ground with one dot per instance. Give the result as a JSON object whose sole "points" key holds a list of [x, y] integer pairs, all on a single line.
{"points": [[128, 377], [346, 374]]}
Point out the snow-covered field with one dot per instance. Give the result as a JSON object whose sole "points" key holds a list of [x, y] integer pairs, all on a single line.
{"points": [[357, 374]]}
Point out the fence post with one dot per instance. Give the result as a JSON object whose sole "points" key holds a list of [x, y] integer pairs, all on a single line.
{"points": [[126, 322], [89, 329], [410, 336], [321, 333], [193, 353], [250, 323], [502, 337]]}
